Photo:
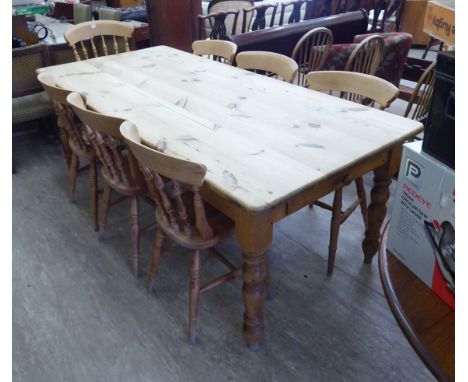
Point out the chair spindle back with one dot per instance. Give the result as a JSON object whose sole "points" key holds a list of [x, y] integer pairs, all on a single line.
{"points": [[367, 56], [93, 38], [422, 95], [66, 117], [172, 208], [311, 52], [104, 135]]}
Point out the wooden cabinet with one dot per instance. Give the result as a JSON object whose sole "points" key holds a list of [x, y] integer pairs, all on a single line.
{"points": [[413, 20], [173, 23]]}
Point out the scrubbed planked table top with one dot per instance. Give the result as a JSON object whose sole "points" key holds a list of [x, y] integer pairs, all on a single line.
{"points": [[261, 139]]}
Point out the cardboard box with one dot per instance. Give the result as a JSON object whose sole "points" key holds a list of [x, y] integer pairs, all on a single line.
{"points": [[422, 222], [439, 20]]}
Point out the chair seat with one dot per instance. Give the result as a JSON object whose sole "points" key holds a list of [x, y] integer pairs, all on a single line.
{"points": [[31, 107], [222, 226]]}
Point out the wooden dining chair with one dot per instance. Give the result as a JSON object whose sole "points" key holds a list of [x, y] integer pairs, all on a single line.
{"points": [[119, 169], [367, 56], [353, 87], [218, 50], [254, 18], [268, 63], [98, 38], [294, 7], [420, 100], [232, 22], [74, 141], [217, 21], [311, 52], [182, 215]]}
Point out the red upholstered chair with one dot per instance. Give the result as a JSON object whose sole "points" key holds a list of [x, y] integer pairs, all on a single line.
{"points": [[397, 46]]}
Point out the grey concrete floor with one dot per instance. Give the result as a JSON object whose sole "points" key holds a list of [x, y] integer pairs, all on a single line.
{"points": [[79, 315]]}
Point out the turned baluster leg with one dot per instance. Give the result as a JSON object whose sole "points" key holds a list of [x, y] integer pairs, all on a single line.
{"points": [[361, 192], [157, 251], [334, 229], [254, 292], [194, 296], [94, 192], [106, 193], [254, 234], [72, 174], [377, 211], [135, 229]]}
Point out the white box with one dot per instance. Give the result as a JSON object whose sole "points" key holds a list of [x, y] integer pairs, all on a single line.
{"points": [[422, 223]]}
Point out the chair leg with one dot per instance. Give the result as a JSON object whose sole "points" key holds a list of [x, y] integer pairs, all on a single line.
{"points": [[194, 295], [105, 204], [361, 192], [93, 185], [72, 174], [268, 280], [157, 252], [135, 230], [64, 140], [428, 46], [334, 228]]}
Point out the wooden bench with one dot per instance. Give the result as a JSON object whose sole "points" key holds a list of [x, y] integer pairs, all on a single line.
{"points": [[282, 39]]}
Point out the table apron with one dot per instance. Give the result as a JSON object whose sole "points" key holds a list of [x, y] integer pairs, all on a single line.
{"points": [[310, 194]]}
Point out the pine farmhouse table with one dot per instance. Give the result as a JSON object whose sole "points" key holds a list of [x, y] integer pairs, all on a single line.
{"points": [[270, 147]]}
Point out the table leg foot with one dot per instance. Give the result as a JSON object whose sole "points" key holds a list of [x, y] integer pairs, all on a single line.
{"points": [[254, 346]]}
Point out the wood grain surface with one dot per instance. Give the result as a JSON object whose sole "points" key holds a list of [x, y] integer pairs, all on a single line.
{"points": [[261, 139]]}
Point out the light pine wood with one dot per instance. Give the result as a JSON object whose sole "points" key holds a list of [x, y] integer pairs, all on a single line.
{"points": [[264, 161], [74, 143], [182, 214], [89, 30], [354, 86], [420, 100], [269, 62], [367, 56], [119, 168], [219, 50], [311, 52]]}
